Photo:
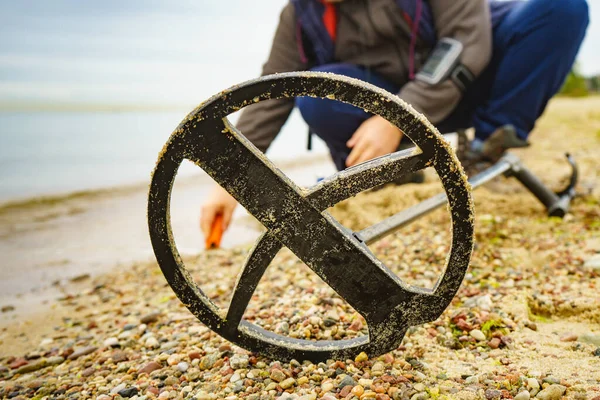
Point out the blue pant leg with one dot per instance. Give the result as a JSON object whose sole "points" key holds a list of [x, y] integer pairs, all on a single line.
{"points": [[535, 46], [333, 121]]}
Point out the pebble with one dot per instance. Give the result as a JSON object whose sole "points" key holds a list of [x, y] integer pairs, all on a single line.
{"points": [[149, 368], [238, 361], [287, 383], [346, 381], [494, 343], [151, 343], [150, 318], [82, 352], [552, 392], [357, 390], [477, 335], [533, 385], [111, 342], [208, 361], [183, 366], [524, 395], [493, 394], [128, 392], [277, 375], [361, 357], [55, 360], [593, 262], [569, 337], [173, 359], [34, 366]]}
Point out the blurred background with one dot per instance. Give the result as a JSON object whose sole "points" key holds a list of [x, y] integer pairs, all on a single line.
{"points": [[89, 93]]}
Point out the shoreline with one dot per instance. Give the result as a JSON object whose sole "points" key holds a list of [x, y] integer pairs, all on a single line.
{"points": [[50, 240]]}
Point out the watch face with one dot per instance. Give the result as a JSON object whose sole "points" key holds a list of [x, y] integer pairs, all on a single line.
{"points": [[435, 59]]}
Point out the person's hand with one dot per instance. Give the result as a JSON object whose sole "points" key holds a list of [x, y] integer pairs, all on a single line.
{"points": [[374, 138], [219, 202]]}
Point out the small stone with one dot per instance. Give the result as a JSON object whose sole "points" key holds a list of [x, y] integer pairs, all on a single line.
{"points": [[111, 342], [164, 395], [149, 318], [7, 308], [194, 355], [173, 359], [149, 368], [128, 392], [420, 396], [288, 383], [357, 390], [345, 391], [477, 335], [171, 381], [277, 375], [88, 372], [531, 325], [151, 343], [271, 386], [552, 392], [208, 361], [493, 394], [485, 302], [82, 352], [129, 327], [533, 385], [302, 380], [361, 357], [371, 395], [103, 397], [378, 368], [346, 381], [524, 395], [183, 366], [494, 343], [593, 262], [118, 388], [18, 363], [238, 361], [471, 380], [39, 364], [55, 360], [596, 352], [119, 356], [327, 386], [569, 337]]}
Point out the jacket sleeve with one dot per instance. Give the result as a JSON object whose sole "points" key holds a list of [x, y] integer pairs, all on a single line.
{"points": [[261, 122], [469, 22]]}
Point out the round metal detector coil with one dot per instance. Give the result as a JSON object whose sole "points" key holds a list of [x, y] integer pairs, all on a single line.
{"points": [[295, 218]]}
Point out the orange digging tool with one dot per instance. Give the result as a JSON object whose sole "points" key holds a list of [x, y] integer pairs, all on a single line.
{"points": [[216, 232]]}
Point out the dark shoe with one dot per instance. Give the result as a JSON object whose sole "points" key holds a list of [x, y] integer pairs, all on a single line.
{"points": [[502, 139], [476, 159]]}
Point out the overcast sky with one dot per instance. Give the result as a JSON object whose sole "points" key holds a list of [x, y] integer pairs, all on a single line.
{"points": [[148, 51]]}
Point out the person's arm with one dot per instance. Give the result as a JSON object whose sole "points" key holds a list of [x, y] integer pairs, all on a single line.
{"points": [[261, 122], [467, 21]]}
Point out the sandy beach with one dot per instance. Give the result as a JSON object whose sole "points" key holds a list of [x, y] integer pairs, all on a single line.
{"points": [[86, 312]]}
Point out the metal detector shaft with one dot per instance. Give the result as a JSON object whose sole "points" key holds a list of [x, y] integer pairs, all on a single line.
{"points": [[510, 165], [390, 225]]}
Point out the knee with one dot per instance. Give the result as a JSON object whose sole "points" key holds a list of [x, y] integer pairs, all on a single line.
{"points": [[573, 15], [314, 111]]}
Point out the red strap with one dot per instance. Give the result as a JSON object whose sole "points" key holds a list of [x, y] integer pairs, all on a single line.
{"points": [[330, 19]]}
